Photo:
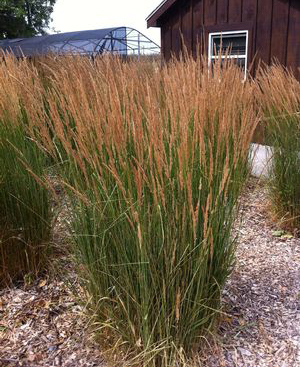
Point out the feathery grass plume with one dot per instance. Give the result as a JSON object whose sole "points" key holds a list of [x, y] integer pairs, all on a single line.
{"points": [[156, 159], [279, 96], [25, 216]]}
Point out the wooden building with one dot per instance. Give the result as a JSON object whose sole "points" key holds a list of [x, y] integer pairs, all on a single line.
{"points": [[253, 29]]}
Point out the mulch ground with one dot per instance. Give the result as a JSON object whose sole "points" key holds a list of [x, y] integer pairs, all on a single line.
{"points": [[262, 296], [41, 324]]}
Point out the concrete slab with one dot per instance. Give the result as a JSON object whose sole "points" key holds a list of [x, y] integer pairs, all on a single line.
{"points": [[261, 157]]}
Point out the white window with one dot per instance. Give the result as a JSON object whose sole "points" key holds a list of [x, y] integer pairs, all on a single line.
{"points": [[233, 45]]}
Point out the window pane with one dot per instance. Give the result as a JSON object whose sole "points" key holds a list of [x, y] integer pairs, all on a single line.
{"points": [[239, 62], [231, 43]]}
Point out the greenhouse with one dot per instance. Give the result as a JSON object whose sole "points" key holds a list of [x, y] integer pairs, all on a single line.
{"points": [[121, 41]]}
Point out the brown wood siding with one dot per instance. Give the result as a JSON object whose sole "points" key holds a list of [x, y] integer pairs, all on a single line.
{"points": [[280, 23], [197, 6], [176, 35], [264, 30], [187, 25], [210, 12], [235, 11], [293, 42], [249, 10], [222, 12], [274, 27], [166, 35]]}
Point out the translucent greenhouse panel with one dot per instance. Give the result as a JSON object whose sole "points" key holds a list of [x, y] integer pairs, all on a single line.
{"points": [[55, 47], [80, 46], [118, 41], [122, 40]]}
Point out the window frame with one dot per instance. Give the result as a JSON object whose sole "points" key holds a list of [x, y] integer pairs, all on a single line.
{"points": [[220, 34]]}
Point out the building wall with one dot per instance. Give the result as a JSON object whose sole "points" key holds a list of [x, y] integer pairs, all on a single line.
{"points": [[273, 25]]}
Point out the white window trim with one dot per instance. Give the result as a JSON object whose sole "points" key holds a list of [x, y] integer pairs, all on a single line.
{"points": [[245, 57]]}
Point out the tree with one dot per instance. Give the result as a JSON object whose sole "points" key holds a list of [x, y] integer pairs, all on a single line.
{"points": [[24, 18]]}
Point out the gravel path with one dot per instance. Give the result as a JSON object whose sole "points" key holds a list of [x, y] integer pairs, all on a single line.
{"points": [[262, 297], [41, 324]]}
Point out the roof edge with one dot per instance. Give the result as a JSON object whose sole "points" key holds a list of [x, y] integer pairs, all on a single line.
{"points": [[152, 19]]}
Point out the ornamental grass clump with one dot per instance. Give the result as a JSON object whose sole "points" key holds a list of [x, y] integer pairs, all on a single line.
{"points": [[156, 162], [25, 216], [279, 95]]}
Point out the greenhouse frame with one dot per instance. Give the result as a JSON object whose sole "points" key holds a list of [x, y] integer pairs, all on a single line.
{"points": [[122, 41]]}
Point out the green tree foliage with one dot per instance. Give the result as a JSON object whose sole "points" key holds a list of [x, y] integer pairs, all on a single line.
{"points": [[24, 18]]}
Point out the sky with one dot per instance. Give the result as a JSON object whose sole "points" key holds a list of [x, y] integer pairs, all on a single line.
{"points": [[78, 15]]}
